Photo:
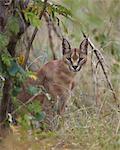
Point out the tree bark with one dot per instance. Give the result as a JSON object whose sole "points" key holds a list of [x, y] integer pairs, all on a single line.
{"points": [[7, 85], [6, 100], [2, 15]]}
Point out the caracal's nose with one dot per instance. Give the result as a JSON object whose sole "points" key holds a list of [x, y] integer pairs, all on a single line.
{"points": [[75, 67]]}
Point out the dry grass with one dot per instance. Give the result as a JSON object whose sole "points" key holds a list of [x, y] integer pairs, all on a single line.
{"points": [[86, 125], [82, 129]]}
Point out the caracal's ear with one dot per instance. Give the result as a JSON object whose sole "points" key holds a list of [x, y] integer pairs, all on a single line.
{"points": [[84, 46], [65, 46]]}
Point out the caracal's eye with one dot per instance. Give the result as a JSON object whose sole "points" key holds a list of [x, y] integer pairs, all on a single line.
{"points": [[69, 59], [80, 59]]}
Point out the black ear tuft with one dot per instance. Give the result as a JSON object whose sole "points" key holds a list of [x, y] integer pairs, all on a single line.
{"points": [[84, 46], [65, 46]]}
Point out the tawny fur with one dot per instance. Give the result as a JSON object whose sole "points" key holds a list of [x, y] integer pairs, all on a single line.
{"points": [[58, 77]]}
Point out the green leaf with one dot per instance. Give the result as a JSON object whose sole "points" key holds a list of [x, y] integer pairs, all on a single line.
{"points": [[16, 91], [15, 68], [25, 121], [33, 19], [13, 25], [6, 59], [40, 116], [61, 10], [3, 41], [33, 90], [35, 107]]}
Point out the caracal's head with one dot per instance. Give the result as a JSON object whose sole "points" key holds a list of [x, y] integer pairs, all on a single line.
{"points": [[75, 57]]}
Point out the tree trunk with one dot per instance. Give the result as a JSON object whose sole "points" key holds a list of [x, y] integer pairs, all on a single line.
{"points": [[7, 85], [5, 100], [2, 15]]}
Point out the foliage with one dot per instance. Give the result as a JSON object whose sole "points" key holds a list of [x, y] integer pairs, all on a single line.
{"points": [[32, 19], [86, 124], [61, 10], [33, 118], [13, 25], [11, 66], [15, 68], [32, 90], [3, 41], [6, 59]]}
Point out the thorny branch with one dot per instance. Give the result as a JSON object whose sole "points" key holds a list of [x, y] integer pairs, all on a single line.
{"points": [[101, 62]]}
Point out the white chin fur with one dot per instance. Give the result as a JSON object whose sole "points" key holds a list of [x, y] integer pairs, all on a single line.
{"points": [[75, 70]]}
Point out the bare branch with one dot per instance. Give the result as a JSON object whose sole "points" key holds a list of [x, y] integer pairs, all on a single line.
{"points": [[33, 36], [48, 20], [57, 32]]}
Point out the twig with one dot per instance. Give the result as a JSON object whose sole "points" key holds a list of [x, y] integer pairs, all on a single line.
{"points": [[48, 20], [58, 33], [24, 104], [105, 73], [21, 106], [101, 61], [21, 18], [118, 127], [102, 105], [98, 62], [34, 61], [38, 93], [33, 35], [94, 79]]}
